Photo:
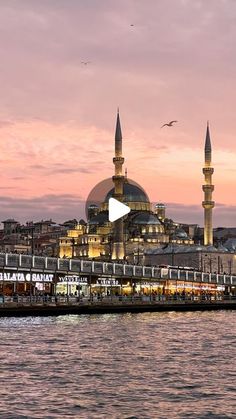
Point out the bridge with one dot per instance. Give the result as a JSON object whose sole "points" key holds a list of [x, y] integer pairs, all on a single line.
{"points": [[28, 268]]}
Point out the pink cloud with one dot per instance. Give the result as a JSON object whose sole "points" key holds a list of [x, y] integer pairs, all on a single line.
{"points": [[57, 116]]}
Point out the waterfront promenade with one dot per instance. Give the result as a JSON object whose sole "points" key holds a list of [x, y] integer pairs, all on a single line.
{"points": [[55, 306]]}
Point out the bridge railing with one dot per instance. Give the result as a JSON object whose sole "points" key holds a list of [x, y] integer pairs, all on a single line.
{"points": [[89, 267]]}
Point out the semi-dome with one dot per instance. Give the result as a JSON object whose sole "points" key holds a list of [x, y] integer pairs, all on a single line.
{"points": [[180, 233], [230, 244], [132, 193], [222, 248], [145, 218]]}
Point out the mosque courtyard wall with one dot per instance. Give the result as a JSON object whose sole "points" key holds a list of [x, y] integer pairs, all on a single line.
{"points": [[216, 262]]}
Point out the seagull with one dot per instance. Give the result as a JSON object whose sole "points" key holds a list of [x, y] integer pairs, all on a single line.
{"points": [[170, 124], [85, 62]]}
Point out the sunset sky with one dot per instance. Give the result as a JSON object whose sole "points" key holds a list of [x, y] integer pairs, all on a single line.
{"points": [[57, 115]]}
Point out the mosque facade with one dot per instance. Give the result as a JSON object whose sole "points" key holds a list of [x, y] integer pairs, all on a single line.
{"points": [[129, 237]]}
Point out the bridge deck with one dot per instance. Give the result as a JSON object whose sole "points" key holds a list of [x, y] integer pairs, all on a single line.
{"points": [[34, 264]]}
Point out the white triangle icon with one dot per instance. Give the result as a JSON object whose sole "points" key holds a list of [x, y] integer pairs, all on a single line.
{"points": [[116, 209]]}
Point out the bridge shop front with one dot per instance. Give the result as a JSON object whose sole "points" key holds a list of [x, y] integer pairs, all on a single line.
{"points": [[76, 285], [195, 289], [150, 287], [125, 287], [106, 286], [26, 283]]}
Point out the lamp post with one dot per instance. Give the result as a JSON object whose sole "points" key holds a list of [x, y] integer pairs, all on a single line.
{"points": [[72, 247], [218, 260], [109, 241], [210, 263], [172, 255], [31, 237]]}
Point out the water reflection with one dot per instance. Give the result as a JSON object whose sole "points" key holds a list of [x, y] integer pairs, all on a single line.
{"points": [[149, 365]]}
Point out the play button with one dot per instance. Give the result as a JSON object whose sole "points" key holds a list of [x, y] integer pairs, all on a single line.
{"points": [[116, 209]]}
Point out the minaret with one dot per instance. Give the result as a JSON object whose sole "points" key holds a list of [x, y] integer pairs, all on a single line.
{"points": [[208, 188], [118, 179]]}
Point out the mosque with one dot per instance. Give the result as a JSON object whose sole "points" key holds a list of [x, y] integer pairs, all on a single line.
{"points": [[131, 236]]}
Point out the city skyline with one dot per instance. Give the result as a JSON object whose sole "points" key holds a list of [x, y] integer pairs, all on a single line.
{"points": [[57, 115]]}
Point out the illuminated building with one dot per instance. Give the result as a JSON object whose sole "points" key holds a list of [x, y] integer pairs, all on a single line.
{"points": [[128, 237], [160, 211], [71, 241]]}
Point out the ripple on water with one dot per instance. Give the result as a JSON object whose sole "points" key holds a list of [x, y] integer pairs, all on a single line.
{"points": [[149, 365]]}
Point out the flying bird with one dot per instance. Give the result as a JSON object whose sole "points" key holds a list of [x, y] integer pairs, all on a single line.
{"points": [[132, 24], [170, 124], [85, 62]]}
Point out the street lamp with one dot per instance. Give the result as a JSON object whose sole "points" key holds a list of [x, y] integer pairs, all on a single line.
{"points": [[110, 247], [31, 237], [72, 247]]}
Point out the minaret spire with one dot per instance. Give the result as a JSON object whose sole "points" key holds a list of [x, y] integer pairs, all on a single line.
{"points": [[118, 179], [208, 146], [208, 188], [118, 136]]}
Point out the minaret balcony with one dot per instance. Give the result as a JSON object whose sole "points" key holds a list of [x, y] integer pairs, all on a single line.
{"points": [[118, 160], [208, 170], [208, 188], [208, 204], [118, 178]]}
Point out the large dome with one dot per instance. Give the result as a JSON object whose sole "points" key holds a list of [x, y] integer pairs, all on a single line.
{"points": [[132, 193]]}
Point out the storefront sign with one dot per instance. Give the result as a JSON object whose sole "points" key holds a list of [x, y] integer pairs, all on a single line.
{"points": [[150, 284], [195, 287], [107, 282], [74, 279], [220, 288], [22, 277]]}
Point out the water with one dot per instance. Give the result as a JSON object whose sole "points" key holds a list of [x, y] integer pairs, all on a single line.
{"points": [[149, 365]]}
